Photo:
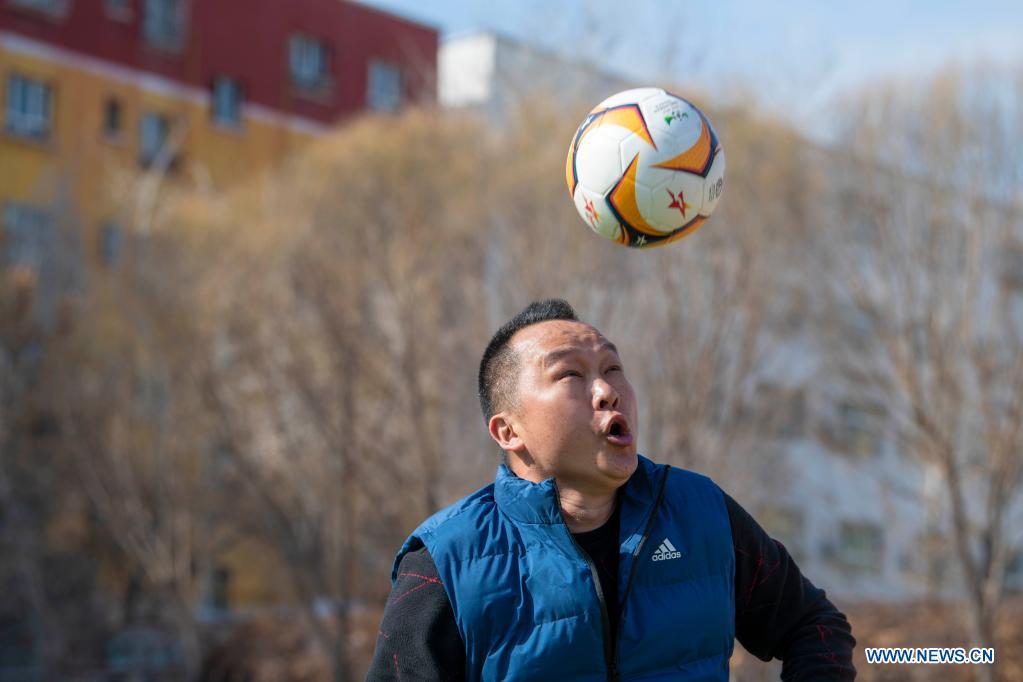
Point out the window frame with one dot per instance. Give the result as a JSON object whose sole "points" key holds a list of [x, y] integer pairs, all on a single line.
{"points": [[118, 10], [25, 230], [111, 242], [867, 558], [148, 156], [154, 25], [21, 122], [374, 69], [54, 9], [113, 104], [300, 47], [219, 82]]}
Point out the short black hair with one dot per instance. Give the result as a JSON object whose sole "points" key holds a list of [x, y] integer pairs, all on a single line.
{"points": [[499, 363]]}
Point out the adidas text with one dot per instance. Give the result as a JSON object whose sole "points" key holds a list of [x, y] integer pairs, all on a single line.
{"points": [[666, 551]]}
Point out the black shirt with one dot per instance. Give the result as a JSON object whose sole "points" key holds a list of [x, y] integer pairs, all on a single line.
{"points": [[603, 547], [778, 612]]}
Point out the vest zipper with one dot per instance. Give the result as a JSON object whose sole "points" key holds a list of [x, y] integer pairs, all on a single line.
{"points": [[632, 571], [611, 642], [605, 620]]}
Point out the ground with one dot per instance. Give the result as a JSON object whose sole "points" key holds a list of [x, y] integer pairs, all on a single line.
{"points": [[279, 649]]}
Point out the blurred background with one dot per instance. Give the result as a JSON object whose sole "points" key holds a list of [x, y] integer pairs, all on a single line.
{"points": [[251, 252]]}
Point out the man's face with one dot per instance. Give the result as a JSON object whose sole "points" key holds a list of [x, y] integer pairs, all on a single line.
{"points": [[575, 411]]}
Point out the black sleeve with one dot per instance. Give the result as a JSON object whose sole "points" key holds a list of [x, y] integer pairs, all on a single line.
{"points": [[418, 638], [781, 614]]}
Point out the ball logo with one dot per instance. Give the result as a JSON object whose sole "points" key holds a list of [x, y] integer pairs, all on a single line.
{"points": [[670, 111], [714, 191], [591, 214], [678, 201], [674, 116]]}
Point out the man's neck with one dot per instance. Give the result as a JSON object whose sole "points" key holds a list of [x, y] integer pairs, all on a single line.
{"points": [[585, 511]]}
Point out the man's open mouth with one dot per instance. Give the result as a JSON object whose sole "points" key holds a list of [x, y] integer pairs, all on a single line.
{"points": [[617, 431]]}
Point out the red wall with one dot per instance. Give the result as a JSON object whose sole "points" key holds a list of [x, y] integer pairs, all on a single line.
{"points": [[248, 40]]}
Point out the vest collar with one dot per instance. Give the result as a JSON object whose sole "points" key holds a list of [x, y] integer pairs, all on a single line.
{"points": [[537, 503]]}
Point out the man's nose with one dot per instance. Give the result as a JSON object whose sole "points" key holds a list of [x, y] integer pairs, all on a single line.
{"points": [[604, 395]]}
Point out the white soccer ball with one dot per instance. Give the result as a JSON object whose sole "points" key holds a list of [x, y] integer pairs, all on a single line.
{"points": [[645, 168]]}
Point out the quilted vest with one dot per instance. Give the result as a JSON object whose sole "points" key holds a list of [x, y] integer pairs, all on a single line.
{"points": [[527, 599]]}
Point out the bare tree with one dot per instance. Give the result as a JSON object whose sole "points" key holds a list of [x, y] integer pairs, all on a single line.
{"points": [[122, 386], [927, 233], [19, 478], [40, 506], [334, 323]]}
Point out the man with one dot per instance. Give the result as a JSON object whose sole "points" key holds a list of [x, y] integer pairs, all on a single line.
{"points": [[584, 560]]}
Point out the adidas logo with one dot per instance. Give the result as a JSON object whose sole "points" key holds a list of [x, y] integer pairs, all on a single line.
{"points": [[666, 551]]}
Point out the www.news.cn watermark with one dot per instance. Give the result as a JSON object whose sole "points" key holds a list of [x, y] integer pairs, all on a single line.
{"points": [[933, 654]]}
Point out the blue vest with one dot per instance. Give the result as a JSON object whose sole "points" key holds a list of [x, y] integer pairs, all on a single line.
{"points": [[527, 599]]}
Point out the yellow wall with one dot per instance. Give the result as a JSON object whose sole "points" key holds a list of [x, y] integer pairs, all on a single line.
{"points": [[79, 162]]}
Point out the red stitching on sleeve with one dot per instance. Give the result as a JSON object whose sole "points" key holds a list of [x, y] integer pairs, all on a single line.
{"points": [[757, 581], [824, 631], [424, 577], [426, 581]]}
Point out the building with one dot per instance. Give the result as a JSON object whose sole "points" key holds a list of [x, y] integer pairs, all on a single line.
{"points": [[494, 74], [205, 90]]}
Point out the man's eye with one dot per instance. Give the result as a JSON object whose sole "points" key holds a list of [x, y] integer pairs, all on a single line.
{"points": [[614, 368], [570, 373]]}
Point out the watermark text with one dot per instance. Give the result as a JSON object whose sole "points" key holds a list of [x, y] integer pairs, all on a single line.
{"points": [[930, 655]]}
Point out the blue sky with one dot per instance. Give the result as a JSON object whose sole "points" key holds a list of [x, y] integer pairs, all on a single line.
{"points": [[783, 51]]}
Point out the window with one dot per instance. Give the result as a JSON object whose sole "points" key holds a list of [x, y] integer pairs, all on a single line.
{"points": [[860, 546], [145, 653], [118, 10], [384, 86], [150, 396], [917, 337], [859, 428], [110, 243], [153, 132], [780, 411], [163, 23], [227, 101], [220, 588], [855, 430], [1014, 573], [19, 642], [221, 462], [1012, 266], [927, 558], [308, 61], [786, 525], [26, 233], [29, 107], [858, 325], [55, 8], [112, 118]]}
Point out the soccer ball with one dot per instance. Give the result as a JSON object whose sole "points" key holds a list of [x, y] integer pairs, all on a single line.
{"points": [[645, 168]]}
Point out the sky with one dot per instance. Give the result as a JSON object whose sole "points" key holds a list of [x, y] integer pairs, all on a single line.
{"points": [[793, 54]]}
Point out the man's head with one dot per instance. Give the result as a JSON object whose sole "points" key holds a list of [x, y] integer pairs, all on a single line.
{"points": [[555, 397]]}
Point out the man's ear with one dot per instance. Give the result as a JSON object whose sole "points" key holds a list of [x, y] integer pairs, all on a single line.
{"points": [[503, 430]]}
